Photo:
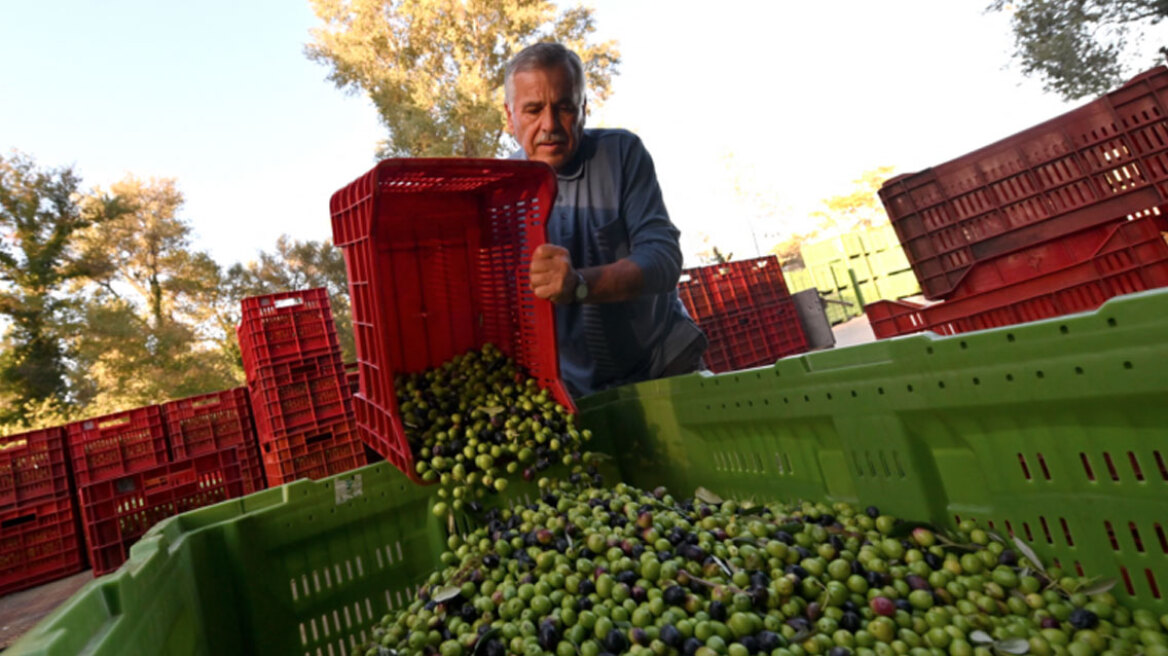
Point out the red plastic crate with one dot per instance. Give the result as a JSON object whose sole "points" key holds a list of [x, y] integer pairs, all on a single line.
{"points": [[38, 543], [322, 451], [719, 289], [437, 253], [210, 422], [286, 327], [33, 466], [1133, 257], [120, 443], [353, 377], [299, 396], [118, 512], [1105, 159], [753, 338]]}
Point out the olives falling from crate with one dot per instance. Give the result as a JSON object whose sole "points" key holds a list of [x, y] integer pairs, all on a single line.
{"points": [[606, 571], [478, 421]]}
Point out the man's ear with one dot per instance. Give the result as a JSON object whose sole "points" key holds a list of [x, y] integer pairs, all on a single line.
{"points": [[507, 114]]}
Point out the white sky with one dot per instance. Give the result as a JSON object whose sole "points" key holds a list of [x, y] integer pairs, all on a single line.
{"points": [[790, 100]]}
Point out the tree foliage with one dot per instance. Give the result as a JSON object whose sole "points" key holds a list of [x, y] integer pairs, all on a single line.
{"points": [[1085, 47], [42, 212], [150, 331], [857, 209], [434, 68]]}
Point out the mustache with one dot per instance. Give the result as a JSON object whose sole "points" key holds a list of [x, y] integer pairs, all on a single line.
{"points": [[551, 138]]}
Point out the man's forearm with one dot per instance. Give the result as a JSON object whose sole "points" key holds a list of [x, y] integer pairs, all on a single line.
{"points": [[620, 281]]}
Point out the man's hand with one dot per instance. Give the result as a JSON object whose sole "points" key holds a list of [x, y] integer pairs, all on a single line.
{"points": [[552, 275]]}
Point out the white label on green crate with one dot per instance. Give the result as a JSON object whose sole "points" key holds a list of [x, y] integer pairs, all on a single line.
{"points": [[348, 488]]}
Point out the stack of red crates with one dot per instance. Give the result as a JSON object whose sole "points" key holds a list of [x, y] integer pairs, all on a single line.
{"points": [[209, 423], [39, 536], [1037, 219], [127, 482], [746, 312], [300, 397]]}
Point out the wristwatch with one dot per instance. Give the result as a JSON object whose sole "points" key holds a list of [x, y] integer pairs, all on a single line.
{"points": [[581, 288]]}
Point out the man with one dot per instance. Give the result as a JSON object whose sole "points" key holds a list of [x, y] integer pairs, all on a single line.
{"points": [[614, 259]]}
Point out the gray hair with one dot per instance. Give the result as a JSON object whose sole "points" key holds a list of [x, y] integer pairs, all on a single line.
{"points": [[543, 56]]}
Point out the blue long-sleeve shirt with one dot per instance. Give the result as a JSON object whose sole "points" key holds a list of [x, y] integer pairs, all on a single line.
{"points": [[609, 207]]}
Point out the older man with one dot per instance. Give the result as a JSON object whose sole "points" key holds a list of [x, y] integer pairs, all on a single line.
{"points": [[614, 259]]}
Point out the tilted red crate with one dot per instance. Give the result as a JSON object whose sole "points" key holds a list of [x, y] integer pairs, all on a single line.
{"points": [[1105, 159], [116, 444], [210, 422], [117, 512], [33, 465], [286, 327], [1132, 257], [39, 543], [437, 253]]}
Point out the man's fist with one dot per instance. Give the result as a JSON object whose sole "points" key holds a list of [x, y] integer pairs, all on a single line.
{"points": [[552, 275]]}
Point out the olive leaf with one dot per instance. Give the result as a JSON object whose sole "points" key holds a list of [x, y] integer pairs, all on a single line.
{"points": [[1094, 587], [746, 539], [753, 510], [445, 593], [981, 637], [706, 496], [801, 636], [1013, 645], [492, 410], [723, 565], [790, 527], [996, 537], [1030, 555], [480, 646]]}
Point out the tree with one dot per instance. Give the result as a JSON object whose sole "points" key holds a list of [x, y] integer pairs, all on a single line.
{"points": [[1084, 47], [42, 212], [857, 209], [297, 265], [151, 334], [434, 68]]}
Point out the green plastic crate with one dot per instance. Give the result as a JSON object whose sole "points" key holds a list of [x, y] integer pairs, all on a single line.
{"points": [[888, 262], [825, 279], [899, 285], [822, 252], [798, 280], [1055, 430], [879, 238]]}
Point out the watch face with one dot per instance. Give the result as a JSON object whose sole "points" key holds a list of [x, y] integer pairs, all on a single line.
{"points": [[581, 289]]}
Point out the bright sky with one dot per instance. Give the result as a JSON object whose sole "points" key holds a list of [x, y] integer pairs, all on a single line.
{"points": [[789, 101]]}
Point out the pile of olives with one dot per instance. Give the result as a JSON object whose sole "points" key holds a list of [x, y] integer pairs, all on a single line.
{"points": [[590, 571], [478, 419]]}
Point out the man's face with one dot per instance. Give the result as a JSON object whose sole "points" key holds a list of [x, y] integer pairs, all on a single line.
{"points": [[544, 117]]}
